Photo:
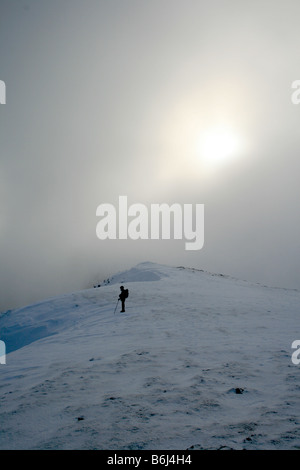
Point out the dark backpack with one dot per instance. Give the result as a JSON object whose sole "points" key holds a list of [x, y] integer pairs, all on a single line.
{"points": [[126, 293]]}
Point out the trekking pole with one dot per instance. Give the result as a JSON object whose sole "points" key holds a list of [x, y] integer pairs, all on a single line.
{"points": [[116, 306]]}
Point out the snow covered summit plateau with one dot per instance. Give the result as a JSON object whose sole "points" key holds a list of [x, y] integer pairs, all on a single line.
{"points": [[198, 361]]}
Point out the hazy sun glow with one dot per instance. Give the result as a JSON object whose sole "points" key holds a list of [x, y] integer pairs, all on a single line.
{"points": [[197, 146], [217, 146]]}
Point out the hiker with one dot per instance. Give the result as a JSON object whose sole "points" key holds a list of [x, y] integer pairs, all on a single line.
{"points": [[122, 297]]}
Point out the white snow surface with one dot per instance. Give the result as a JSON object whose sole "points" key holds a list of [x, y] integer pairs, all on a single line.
{"points": [[164, 375]]}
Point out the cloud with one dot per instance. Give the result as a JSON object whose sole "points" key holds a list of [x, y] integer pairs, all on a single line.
{"points": [[106, 99]]}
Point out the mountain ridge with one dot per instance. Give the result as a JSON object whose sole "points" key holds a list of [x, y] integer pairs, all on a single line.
{"points": [[197, 361]]}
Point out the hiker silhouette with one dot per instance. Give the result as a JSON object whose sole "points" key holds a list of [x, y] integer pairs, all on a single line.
{"points": [[122, 297]]}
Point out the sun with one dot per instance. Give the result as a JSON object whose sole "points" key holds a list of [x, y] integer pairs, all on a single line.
{"points": [[218, 145], [198, 147]]}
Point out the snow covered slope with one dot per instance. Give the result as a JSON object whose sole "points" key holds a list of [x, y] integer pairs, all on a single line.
{"points": [[198, 361]]}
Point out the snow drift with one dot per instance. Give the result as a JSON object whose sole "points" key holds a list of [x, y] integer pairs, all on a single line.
{"points": [[198, 361]]}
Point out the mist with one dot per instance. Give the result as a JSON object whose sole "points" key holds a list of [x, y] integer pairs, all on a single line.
{"points": [[107, 98]]}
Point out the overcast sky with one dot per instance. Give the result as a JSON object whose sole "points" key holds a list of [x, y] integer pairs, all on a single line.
{"points": [[114, 97]]}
